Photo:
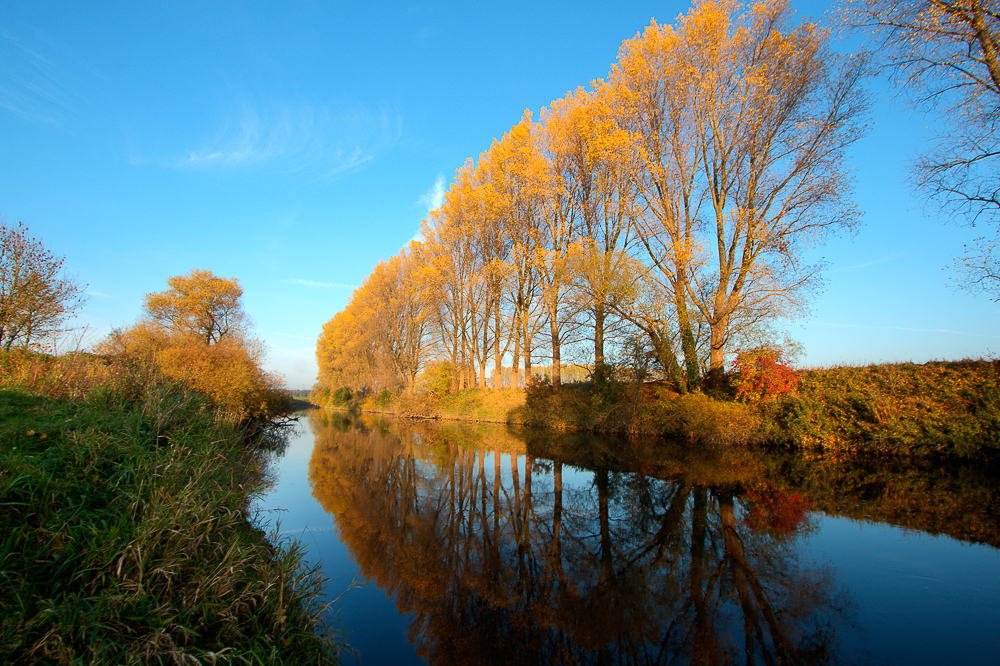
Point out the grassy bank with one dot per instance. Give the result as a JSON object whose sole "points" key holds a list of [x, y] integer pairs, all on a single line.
{"points": [[949, 409], [124, 530]]}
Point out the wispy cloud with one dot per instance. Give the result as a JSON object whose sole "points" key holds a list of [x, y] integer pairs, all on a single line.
{"points": [[91, 292], [313, 283], [318, 141], [40, 76], [430, 200], [883, 260]]}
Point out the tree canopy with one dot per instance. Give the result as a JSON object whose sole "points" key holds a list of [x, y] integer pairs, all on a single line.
{"points": [[36, 296], [669, 206], [199, 304]]}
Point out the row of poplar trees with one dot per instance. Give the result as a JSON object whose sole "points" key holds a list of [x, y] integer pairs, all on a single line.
{"points": [[674, 201]]}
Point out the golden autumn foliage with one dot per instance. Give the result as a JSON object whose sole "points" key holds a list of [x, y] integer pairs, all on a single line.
{"points": [[199, 304], [377, 342], [667, 208], [195, 333], [229, 373]]}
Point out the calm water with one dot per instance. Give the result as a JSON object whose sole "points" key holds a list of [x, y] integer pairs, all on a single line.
{"points": [[470, 544]]}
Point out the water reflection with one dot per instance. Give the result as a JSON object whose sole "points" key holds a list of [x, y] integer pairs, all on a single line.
{"points": [[513, 547]]}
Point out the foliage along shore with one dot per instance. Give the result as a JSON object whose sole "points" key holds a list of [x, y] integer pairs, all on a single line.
{"points": [[941, 408], [126, 531]]}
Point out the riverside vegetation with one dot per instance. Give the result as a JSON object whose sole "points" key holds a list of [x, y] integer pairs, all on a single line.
{"points": [[126, 529], [943, 409], [666, 215]]}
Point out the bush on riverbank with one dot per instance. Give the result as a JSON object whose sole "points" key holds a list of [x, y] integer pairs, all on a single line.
{"points": [[228, 373], [937, 408], [125, 526]]}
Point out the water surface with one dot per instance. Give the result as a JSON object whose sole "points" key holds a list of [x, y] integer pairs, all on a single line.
{"points": [[471, 544]]}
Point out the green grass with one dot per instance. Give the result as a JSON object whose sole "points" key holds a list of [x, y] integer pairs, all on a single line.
{"points": [[124, 538]]}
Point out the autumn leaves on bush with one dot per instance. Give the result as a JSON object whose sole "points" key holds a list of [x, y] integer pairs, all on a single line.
{"points": [[197, 333]]}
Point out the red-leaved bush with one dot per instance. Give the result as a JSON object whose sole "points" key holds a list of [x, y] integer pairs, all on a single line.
{"points": [[762, 374]]}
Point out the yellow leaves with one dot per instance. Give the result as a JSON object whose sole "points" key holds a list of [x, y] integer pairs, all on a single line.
{"points": [[199, 304], [196, 333]]}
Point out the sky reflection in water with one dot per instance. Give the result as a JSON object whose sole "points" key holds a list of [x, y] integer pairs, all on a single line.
{"points": [[615, 551]]}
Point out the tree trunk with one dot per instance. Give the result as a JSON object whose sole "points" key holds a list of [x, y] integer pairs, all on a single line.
{"points": [[687, 337], [517, 357], [497, 361], [717, 367], [599, 316], [526, 351], [556, 357]]}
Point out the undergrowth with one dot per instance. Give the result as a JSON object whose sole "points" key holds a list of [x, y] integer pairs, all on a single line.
{"points": [[944, 409], [938, 408], [125, 535]]}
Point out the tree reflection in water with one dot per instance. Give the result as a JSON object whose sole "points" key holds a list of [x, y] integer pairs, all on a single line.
{"points": [[502, 559]]}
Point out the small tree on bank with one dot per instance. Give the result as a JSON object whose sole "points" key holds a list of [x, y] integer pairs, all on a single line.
{"points": [[36, 297], [197, 333]]}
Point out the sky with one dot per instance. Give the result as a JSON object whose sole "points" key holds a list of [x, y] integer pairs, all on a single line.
{"points": [[294, 145]]}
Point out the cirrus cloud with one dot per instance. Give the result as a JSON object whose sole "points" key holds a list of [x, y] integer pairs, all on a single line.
{"points": [[316, 141]]}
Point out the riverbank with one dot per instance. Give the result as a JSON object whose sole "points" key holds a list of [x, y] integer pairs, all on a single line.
{"points": [[127, 533], [946, 409]]}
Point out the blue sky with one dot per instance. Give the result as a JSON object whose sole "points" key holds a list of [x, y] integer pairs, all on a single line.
{"points": [[292, 146]]}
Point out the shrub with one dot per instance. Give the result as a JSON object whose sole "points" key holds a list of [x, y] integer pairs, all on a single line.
{"points": [[606, 387], [341, 395], [228, 375], [436, 378], [762, 374]]}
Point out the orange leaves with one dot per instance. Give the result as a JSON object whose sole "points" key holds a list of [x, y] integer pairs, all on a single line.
{"points": [[199, 304], [228, 373], [378, 340], [196, 333], [675, 195]]}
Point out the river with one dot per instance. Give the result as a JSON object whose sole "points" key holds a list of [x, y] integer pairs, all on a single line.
{"points": [[457, 543]]}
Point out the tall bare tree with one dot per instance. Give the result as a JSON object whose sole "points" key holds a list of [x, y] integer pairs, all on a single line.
{"points": [[743, 121], [944, 56], [775, 112]]}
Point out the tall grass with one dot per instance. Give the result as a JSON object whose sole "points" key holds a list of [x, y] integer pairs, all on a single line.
{"points": [[124, 528]]}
